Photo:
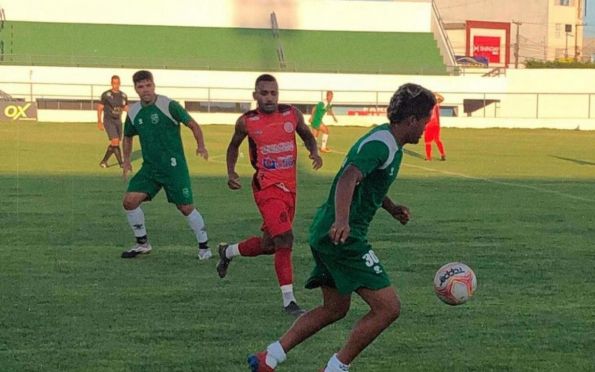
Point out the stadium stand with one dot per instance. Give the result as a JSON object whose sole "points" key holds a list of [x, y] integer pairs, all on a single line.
{"points": [[233, 49]]}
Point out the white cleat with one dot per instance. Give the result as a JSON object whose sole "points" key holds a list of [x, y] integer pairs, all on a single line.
{"points": [[204, 254]]}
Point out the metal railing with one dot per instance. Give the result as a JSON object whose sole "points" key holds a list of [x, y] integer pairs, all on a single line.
{"points": [[530, 105]]}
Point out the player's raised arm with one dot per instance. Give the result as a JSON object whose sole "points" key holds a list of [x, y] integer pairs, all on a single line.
{"points": [[233, 150], [306, 135], [201, 149]]}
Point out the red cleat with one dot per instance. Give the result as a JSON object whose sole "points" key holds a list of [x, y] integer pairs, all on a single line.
{"points": [[257, 362]]}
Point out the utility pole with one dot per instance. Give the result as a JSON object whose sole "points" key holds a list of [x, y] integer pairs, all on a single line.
{"points": [[516, 43]]}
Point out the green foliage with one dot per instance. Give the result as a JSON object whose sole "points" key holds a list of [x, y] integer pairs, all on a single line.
{"points": [[568, 63], [515, 205], [96, 45]]}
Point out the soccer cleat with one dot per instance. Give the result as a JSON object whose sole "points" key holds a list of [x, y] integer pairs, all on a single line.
{"points": [[325, 149], [223, 263], [204, 254], [257, 362], [293, 309], [136, 250], [103, 164], [443, 158]]}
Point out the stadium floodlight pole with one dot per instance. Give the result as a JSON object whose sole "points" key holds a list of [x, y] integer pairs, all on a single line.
{"points": [[516, 43]]}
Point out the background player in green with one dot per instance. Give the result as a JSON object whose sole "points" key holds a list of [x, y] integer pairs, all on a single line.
{"points": [[156, 120], [316, 117], [345, 261]]}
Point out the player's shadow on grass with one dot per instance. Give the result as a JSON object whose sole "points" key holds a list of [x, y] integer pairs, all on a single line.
{"points": [[414, 154], [577, 161]]}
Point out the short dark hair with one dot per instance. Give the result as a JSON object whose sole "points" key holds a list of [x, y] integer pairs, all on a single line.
{"points": [[264, 77], [410, 100], [142, 75], [115, 77]]}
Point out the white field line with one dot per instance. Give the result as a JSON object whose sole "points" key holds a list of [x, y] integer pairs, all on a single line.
{"points": [[520, 185]]}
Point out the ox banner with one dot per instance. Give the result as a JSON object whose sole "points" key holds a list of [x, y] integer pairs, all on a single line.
{"points": [[18, 110], [488, 47]]}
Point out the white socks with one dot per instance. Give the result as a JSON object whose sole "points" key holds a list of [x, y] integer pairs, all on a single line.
{"points": [[136, 220], [324, 140], [275, 354], [232, 250], [197, 224], [335, 365], [287, 292]]}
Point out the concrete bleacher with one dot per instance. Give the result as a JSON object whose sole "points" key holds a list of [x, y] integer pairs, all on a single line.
{"points": [[216, 48]]}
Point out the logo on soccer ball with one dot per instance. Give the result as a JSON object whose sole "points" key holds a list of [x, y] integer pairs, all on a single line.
{"points": [[288, 127], [455, 283]]}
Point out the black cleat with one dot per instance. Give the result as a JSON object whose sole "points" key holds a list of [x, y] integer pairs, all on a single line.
{"points": [[293, 309], [137, 250], [223, 263]]}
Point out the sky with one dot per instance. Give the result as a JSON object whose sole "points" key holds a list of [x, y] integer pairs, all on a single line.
{"points": [[590, 19]]}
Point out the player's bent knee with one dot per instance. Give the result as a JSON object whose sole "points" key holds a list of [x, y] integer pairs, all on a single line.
{"points": [[338, 312], [133, 200], [186, 209], [284, 240], [115, 142], [130, 203]]}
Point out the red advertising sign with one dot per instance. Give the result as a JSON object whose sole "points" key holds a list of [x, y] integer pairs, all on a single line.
{"points": [[488, 47]]}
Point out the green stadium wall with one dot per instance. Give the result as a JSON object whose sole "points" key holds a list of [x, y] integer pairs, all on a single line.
{"points": [[211, 48]]}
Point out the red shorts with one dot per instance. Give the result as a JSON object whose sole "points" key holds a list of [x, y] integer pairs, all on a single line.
{"points": [[432, 133], [277, 208]]}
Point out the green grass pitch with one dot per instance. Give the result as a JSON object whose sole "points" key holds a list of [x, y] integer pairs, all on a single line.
{"points": [[518, 206]]}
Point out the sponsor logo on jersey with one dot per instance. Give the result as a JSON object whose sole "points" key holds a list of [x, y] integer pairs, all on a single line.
{"points": [[288, 127], [277, 148], [254, 118], [140, 121]]}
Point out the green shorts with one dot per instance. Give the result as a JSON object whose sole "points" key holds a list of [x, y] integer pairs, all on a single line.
{"points": [[315, 125], [347, 267], [176, 183]]}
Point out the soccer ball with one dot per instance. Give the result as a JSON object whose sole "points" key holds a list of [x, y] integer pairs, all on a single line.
{"points": [[455, 283]]}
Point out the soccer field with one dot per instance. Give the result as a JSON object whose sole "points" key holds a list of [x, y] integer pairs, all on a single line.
{"points": [[518, 206]]}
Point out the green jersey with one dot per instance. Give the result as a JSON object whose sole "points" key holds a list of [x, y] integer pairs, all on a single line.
{"points": [[158, 127], [319, 113], [378, 157]]}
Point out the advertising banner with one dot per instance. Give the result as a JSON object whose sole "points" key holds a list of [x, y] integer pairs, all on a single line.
{"points": [[488, 47], [18, 110]]}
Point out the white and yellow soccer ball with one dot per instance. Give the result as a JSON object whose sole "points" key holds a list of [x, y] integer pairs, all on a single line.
{"points": [[455, 283]]}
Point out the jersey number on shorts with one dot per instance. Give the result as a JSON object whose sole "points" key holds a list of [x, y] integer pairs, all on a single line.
{"points": [[372, 261], [173, 162], [371, 258]]}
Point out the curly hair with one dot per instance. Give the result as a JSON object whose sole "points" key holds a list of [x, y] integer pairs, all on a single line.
{"points": [[410, 100]]}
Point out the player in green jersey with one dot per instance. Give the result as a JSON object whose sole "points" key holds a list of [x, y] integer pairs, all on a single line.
{"points": [[316, 122], [156, 120], [344, 259]]}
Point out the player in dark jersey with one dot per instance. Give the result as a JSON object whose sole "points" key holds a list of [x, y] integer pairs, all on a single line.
{"points": [[344, 260], [271, 130], [109, 118], [156, 120]]}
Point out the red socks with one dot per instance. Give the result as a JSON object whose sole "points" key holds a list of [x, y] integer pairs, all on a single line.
{"points": [[283, 266]]}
